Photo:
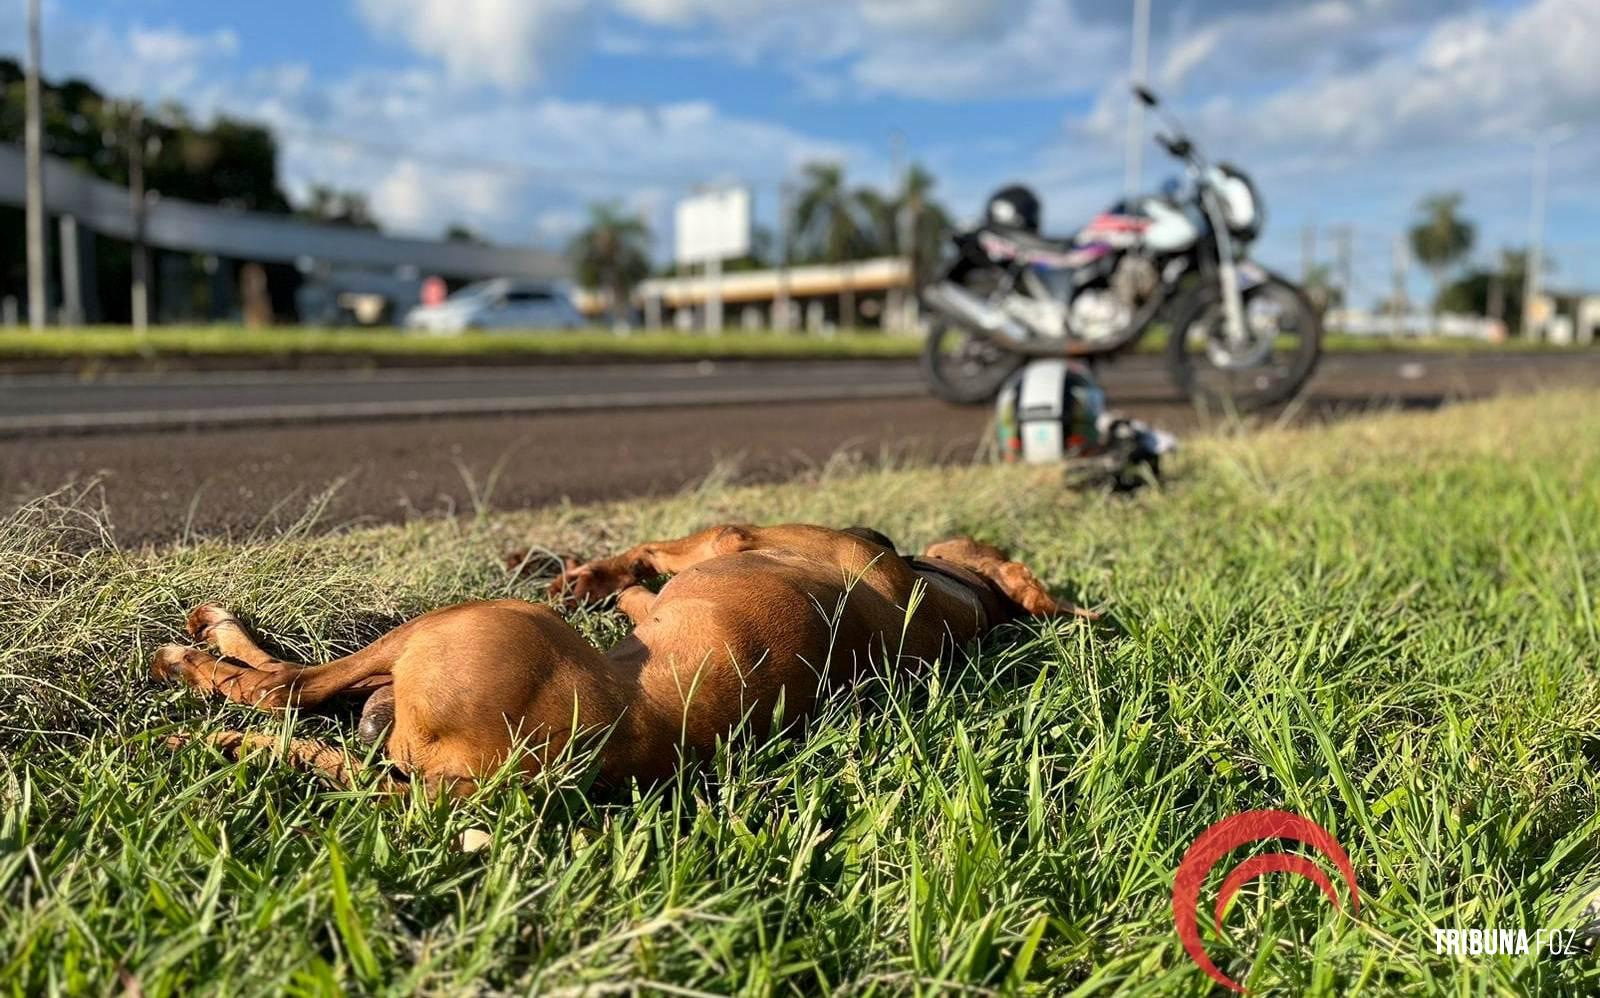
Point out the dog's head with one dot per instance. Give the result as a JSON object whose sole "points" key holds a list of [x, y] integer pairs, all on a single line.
{"points": [[1019, 589]]}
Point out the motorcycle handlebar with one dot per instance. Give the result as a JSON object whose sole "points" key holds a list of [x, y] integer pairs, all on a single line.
{"points": [[1177, 146]]}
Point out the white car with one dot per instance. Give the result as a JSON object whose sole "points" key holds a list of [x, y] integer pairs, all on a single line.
{"points": [[502, 303]]}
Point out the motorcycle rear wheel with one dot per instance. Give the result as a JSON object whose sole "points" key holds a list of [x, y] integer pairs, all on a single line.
{"points": [[1284, 341], [964, 368]]}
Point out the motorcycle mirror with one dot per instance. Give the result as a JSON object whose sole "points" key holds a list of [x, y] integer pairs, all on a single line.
{"points": [[1146, 96]]}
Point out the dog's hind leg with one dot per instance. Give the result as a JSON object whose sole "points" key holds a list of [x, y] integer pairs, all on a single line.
{"points": [[273, 684], [210, 624], [306, 754]]}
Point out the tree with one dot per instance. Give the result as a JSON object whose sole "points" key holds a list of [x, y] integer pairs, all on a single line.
{"points": [[226, 162], [760, 257], [1496, 293], [1441, 237], [930, 223], [337, 207], [828, 227], [1321, 288], [455, 232], [880, 224], [612, 253]]}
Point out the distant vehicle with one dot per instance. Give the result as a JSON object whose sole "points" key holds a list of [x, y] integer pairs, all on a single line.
{"points": [[339, 297], [502, 303]]}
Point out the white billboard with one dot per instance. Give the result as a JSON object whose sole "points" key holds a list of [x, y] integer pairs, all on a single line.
{"points": [[714, 225]]}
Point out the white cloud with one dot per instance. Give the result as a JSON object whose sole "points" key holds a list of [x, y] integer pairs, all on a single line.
{"points": [[948, 19], [1039, 48], [940, 49], [423, 198], [155, 63], [1473, 78], [506, 42], [170, 45], [429, 153]]}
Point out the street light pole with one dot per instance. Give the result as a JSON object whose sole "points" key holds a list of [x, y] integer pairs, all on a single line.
{"points": [[1530, 288], [780, 301], [34, 139], [140, 305], [905, 229], [1141, 56]]}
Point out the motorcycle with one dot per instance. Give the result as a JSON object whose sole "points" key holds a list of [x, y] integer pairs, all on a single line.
{"points": [[1237, 333]]}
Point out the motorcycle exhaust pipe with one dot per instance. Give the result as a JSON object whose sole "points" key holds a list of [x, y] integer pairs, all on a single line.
{"points": [[969, 311], [963, 307]]}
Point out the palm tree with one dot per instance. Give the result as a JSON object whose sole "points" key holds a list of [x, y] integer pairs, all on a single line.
{"points": [[930, 223], [1441, 237], [828, 226], [612, 253], [880, 224]]}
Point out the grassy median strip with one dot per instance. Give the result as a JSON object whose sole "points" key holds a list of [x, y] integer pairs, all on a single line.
{"points": [[191, 342], [1388, 626], [235, 341]]}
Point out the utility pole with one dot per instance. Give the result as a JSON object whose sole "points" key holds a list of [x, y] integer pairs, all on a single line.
{"points": [[1308, 251], [141, 256], [905, 226], [714, 296], [1530, 291], [1402, 261], [1342, 239], [780, 301], [33, 137], [1141, 56], [71, 313]]}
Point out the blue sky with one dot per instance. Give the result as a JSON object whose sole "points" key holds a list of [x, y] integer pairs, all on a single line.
{"points": [[510, 115]]}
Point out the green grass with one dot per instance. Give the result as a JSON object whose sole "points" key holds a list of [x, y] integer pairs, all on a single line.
{"points": [[1388, 626], [187, 341], [175, 342]]}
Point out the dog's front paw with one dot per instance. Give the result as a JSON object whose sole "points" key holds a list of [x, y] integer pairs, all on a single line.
{"points": [[591, 582], [169, 661], [204, 617]]}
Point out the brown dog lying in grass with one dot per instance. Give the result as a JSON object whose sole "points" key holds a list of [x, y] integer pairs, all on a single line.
{"points": [[752, 616]]}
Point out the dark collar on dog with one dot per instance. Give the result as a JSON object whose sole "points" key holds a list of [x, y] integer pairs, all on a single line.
{"points": [[989, 602]]}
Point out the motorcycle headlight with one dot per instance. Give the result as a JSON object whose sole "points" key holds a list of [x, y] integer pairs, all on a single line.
{"points": [[1241, 205]]}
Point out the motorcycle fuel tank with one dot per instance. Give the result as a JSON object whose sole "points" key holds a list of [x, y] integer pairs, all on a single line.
{"points": [[1170, 229]]}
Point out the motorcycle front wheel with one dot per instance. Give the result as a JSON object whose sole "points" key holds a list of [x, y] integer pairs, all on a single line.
{"points": [[1282, 343], [964, 368]]}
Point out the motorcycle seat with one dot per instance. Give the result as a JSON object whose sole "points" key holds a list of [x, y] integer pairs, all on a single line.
{"points": [[1031, 242]]}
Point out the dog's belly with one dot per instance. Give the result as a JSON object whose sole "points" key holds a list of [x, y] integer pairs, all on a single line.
{"points": [[727, 639]]}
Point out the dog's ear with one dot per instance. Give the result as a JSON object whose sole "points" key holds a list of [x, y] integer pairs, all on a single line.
{"points": [[1023, 588], [966, 551], [871, 537]]}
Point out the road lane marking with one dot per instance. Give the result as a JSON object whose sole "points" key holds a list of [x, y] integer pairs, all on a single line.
{"points": [[209, 418]]}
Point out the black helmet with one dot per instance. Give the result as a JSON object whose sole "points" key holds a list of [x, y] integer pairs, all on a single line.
{"points": [[1014, 207]]}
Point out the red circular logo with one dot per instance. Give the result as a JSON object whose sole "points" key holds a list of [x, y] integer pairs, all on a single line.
{"points": [[1231, 833]]}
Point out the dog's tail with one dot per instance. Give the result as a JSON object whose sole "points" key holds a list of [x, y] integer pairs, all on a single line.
{"points": [[306, 754]]}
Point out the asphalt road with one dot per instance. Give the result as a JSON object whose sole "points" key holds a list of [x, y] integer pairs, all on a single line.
{"points": [[115, 402], [231, 452]]}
